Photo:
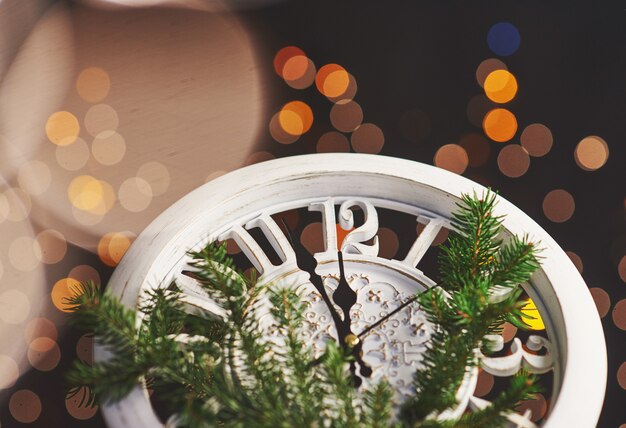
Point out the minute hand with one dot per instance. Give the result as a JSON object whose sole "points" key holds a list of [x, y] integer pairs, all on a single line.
{"points": [[390, 314]]}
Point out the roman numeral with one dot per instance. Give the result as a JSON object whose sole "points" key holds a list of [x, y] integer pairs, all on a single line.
{"points": [[253, 250], [423, 241]]}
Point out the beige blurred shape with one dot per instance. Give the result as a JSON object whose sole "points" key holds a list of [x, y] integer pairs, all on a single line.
{"points": [[189, 98], [23, 291]]}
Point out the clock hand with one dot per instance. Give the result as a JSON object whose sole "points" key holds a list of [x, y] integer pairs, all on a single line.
{"points": [[345, 297], [392, 313], [347, 340], [307, 263]]}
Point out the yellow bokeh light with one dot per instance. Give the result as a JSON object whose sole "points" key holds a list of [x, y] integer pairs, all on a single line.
{"points": [[63, 289], [500, 86], [93, 84], [291, 122], [295, 118], [85, 192], [530, 310], [62, 128], [500, 125], [332, 80]]}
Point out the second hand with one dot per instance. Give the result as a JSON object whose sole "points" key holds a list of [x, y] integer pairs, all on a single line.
{"points": [[392, 313]]}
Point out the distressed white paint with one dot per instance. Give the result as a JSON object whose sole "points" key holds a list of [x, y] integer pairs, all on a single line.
{"points": [[558, 290]]}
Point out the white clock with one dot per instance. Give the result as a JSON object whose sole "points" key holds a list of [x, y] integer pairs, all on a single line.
{"points": [[392, 333]]}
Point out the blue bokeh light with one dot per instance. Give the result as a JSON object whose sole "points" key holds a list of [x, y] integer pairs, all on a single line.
{"points": [[503, 39]]}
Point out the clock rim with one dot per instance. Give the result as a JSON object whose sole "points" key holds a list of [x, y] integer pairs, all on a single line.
{"points": [[574, 328]]}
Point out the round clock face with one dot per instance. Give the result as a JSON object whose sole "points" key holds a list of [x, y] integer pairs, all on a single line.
{"points": [[355, 292], [379, 313], [392, 349]]}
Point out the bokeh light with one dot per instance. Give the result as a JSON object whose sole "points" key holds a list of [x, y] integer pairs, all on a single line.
{"points": [[486, 67], [100, 118], [452, 157], [500, 125], [34, 177], [295, 118], [84, 273], [112, 247], [537, 139], [591, 153], [87, 193], [63, 289], [503, 39], [74, 408], [332, 80], [477, 148], [484, 383], [558, 205], [368, 138], [283, 55], [602, 300], [44, 354], [84, 348], [25, 406], [135, 194], [93, 84], [22, 254], [62, 128], [537, 405], [513, 160], [500, 86], [278, 133], [621, 268], [74, 156], [349, 93], [333, 141], [311, 237], [299, 72], [530, 310], [621, 375], [619, 314], [508, 332], [86, 218], [40, 327], [108, 148], [346, 116], [50, 246], [14, 306], [157, 175], [389, 242], [9, 372], [575, 258]]}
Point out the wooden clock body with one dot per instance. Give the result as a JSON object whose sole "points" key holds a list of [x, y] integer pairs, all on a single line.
{"points": [[333, 184]]}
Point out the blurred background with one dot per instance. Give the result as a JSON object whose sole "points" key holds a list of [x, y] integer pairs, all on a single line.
{"points": [[111, 110]]}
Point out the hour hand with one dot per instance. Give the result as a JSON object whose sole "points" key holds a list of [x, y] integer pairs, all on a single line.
{"points": [[344, 296]]}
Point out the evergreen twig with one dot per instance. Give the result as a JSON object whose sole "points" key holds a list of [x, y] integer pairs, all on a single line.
{"points": [[230, 372]]}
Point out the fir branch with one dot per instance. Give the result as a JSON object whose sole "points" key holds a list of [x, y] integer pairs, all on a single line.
{"points": [[472, 264], [378, 406], [230, 373]]}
